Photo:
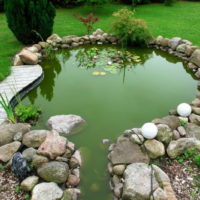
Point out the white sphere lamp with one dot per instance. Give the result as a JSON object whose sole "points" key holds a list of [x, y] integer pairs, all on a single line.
{"points": [[149, 130], [184, 109]]}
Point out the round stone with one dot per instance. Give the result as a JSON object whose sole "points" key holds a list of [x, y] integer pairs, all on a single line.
{"points": [[184, 109], [149, 130]]}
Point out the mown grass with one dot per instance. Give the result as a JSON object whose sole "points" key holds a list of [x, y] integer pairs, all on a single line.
{"points": [[182, 19]]}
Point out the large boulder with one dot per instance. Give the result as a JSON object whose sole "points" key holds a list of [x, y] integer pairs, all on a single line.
{"points": [[174, 42], [54, 38], [8, 131], [35, 138], [195, 57], [165, 134], [181, 48], [53, 146], [154, 148], [8, 150], [54, 171], [137, 182], [28, 57], [192, 130], [194, 119], [180, 146], [172, 121], [46, 191], [65, 124], [126, 152]]}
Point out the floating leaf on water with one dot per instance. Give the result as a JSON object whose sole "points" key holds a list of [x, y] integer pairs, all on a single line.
{"points": [[136, 57], [102, 73], [95, 73]]}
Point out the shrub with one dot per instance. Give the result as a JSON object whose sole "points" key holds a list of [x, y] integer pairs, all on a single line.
{"points": [[64, 3], [27, 113], [129, 29], [88, 21], [28, 19], [1, 5], [94, 2]]}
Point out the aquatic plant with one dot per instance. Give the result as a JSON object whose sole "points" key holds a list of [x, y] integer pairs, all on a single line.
{"points": [[4, 102], [109, 60], [27, 113]]}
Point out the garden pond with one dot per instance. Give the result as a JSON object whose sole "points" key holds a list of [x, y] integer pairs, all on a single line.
{"points": [[113, 89]]}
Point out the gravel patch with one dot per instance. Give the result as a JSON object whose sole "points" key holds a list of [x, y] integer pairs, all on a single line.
{"points": [[185, 178], [8, 185]]}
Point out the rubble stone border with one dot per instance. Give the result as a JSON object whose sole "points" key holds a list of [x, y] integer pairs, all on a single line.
{"points": [[132, 152], [132, 174]]}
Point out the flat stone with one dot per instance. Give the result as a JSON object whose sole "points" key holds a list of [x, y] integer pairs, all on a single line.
{"points": [[8, 150], [171, 121], [29, 153], [137, 182], [29, 183], [182, 145], [119, 169], [195, 57], [54, 171], [8, 132], [35, 138], [154, 148], [165, 134], [28, 57], [174, 42], [47, 191], [182, 131], [126, 152], [195, 119], [192, 130], [196, 110], [66, 124], [53, 146], [39, 160]]}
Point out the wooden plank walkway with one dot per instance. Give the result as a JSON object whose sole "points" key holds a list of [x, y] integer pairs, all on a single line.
{"points": [[19, 79]]}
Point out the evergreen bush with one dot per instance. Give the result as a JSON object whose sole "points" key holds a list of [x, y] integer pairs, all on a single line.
{"points": [[1, 5], [30, 20]]}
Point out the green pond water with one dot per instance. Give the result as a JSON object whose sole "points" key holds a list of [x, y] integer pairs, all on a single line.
{"points": [[110, 103]]}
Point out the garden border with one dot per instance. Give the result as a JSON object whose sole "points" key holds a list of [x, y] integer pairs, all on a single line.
{"points": [[175, 46]]}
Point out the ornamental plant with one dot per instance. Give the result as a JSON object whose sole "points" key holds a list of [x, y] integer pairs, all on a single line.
{"points": [[30, 19], [88, 21], [129, 29]]}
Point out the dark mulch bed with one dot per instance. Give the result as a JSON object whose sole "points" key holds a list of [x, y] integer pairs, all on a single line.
{"points": [[185, 178]]}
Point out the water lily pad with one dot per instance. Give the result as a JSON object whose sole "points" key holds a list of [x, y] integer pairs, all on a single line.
{"points": [[95, 73]]}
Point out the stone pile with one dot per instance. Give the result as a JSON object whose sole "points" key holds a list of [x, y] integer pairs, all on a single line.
{"points": [[182, 49], [53, 161], [132, 177], [32, 55]]}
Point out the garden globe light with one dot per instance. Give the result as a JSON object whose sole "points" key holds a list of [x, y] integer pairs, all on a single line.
{"points": [[149, 130], [184, 109]]}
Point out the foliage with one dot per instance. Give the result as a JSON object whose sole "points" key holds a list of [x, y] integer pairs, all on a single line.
{"points": [[109, 60], [93, 2], [129, 29], [4, 102], [1, 5], [197, 160], [169, 2], [64, 3], [183, 122], [88, 21], [27, 113], [30, 17], [27, 196], [48, 51], [17, 189], [192, 155], [3, 167]]}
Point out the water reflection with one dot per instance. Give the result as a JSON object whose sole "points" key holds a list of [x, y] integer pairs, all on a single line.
{"points": [[53, 65]]}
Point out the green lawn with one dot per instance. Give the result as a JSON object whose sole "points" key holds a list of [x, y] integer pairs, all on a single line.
{"points": [[182, 19]]}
